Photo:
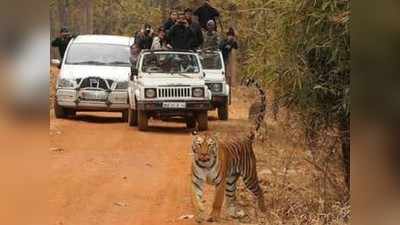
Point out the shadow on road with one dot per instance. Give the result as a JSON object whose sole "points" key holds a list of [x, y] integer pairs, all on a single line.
{"points": [[169, 130], [98, 119], [175, 125]]}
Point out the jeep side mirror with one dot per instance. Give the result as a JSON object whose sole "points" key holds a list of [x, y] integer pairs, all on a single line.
{"points": [[56, 62], [134, 72]]}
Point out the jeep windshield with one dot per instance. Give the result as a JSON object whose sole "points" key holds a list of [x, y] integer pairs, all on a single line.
{"points": [[98, 54], [170, 63], [211, 61]]}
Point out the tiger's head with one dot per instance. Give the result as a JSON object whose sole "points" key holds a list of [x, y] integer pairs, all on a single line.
{"points": [[205, 149]]}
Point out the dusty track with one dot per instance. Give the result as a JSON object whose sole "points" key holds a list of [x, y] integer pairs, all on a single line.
{"points": [[106, 173]]}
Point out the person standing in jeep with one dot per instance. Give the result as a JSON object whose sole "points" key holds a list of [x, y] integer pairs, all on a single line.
{"points": [[173, 17], [181, 37], [206, 13], [227, 45], [144, 38], [135, 51], [160, 41], [211, 37], [62, 41], [196, 29]]}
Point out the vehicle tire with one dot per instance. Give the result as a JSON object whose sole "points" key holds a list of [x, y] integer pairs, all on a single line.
{"points": [[70, 112], [125, 116], [190, 122], [143, 120], [202, 119], [132, 117], [59, 111], [223, 112]]}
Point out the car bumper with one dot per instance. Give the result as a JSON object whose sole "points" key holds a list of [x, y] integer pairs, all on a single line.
{"points": [[158, 106], [94, 106], [115, 101], [218, 100]]}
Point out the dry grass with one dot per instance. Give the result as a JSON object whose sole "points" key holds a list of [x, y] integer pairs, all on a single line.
{"points": [[300, 187]]}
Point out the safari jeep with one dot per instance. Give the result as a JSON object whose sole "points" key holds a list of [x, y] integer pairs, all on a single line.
{"points": [[166, 84], [214, 69], [94, 76]]}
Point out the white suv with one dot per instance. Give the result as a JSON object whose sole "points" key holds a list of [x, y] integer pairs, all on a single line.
{"points": [[167, 84], [214, 69], [94, 76]]}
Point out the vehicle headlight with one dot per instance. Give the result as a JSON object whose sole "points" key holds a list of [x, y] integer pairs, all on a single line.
{"points": [[65, 83], [215, 87], [198, 92], [122, 85], [150, 93]]}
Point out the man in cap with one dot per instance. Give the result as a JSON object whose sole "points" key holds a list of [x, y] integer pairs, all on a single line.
{"points": [[62, 41], [145, 37], [228, 44], [211, 37], [135, 52], [206, 13]]}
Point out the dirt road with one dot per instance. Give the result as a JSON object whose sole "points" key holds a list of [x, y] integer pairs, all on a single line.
{"points": [[106, 173]]}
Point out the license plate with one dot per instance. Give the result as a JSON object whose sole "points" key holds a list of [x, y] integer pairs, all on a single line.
{"points": [[94, 96], [174, 105]]}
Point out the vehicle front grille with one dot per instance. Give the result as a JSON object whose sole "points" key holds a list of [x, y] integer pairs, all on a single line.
{"points": [[94, 83], [174, 93], [110, 82]]}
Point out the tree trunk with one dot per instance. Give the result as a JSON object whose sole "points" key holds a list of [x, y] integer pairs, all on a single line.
{"points": [[232, 68], [196, 4], [108, 25], [173, 4], [63, 12], [89, 11], [233, 61], [62, 8], [87, 17], [164, 9], [345, 145], [233, 16]]}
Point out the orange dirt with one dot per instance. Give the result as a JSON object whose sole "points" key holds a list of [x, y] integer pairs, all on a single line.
{"points": [[105, 172]]}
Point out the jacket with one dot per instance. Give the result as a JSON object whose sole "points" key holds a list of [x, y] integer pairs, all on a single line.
{"points": [[158, 44], [61, 44], [197, 35], [181, 37], [211, 40]]}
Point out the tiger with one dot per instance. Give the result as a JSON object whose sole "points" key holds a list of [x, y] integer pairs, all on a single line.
{"points": [[220, 163]]}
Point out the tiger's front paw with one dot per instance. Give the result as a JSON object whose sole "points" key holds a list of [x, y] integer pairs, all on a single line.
{"points": [[200, 206], [214, 217], [199, 218], [199, 215]]}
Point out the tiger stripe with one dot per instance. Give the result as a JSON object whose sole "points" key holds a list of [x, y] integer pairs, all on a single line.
{"points": [[228, 160]]}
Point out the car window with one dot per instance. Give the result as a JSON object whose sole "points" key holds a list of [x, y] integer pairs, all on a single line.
{"points": [[211, 61], [170, 63], [98, 54]]}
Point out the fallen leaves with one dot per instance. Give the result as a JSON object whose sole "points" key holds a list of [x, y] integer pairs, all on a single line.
{"points": [[186, 217], [57, 149]]}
